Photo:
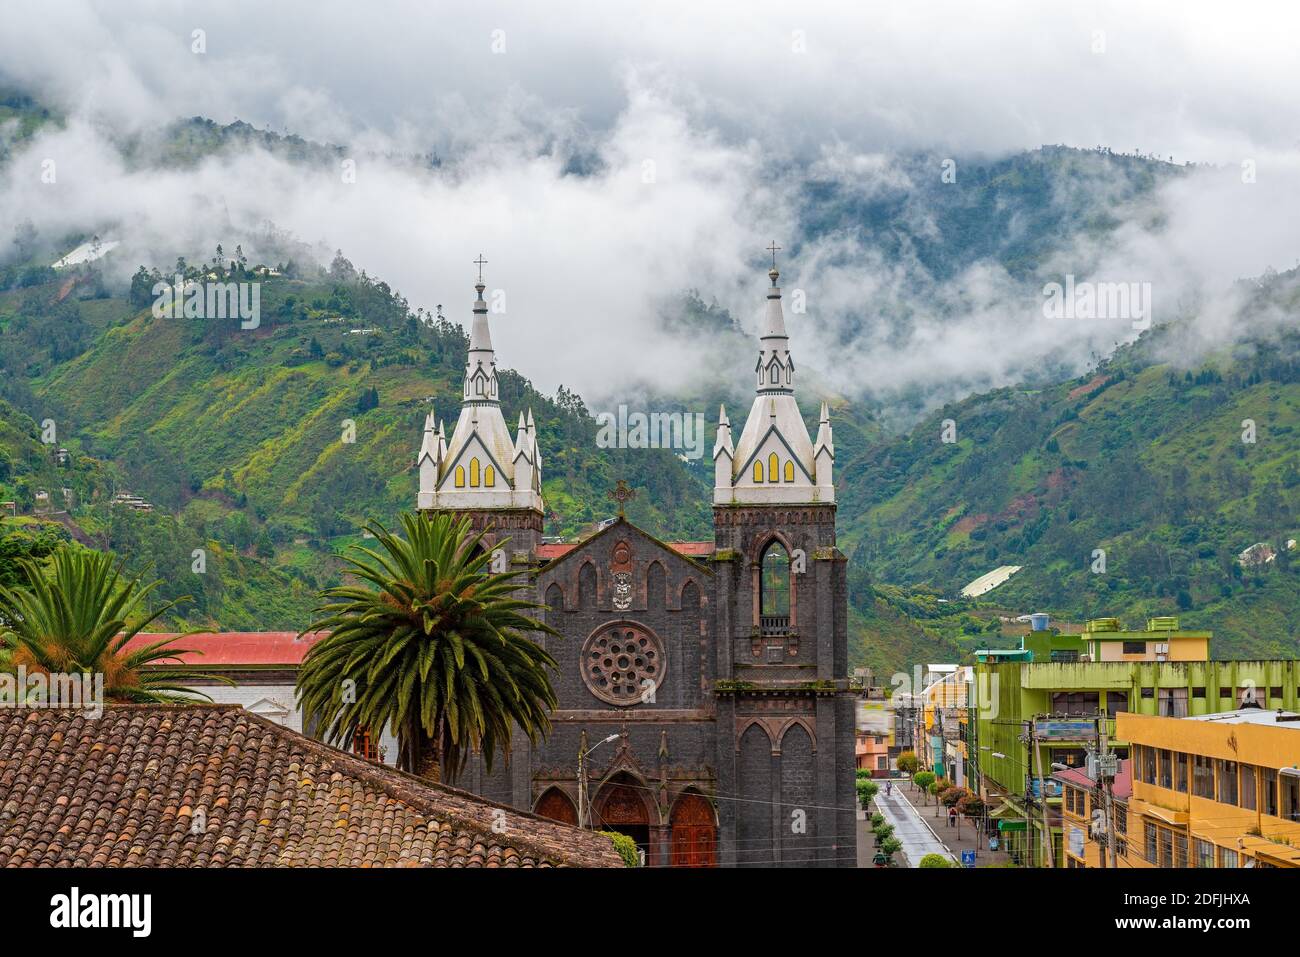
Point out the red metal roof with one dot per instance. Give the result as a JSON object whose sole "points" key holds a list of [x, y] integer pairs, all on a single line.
{"points": [[248, 648], [1123, 784], [552, 551]]}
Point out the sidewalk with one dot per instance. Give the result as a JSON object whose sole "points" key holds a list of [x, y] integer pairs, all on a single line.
{"points": [[965, 838], [918, 835]]}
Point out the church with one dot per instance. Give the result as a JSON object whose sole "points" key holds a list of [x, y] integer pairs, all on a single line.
{"points": [[704, 707]]}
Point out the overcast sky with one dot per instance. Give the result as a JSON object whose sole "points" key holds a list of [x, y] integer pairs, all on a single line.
{"points": [[717, 97]]}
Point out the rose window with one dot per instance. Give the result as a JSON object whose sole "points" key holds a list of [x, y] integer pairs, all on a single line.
{"points": [[623, 664]]}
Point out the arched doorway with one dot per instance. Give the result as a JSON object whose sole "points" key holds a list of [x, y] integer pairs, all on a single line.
{"points": [[694, 832], [619, 806], [556, 805]]}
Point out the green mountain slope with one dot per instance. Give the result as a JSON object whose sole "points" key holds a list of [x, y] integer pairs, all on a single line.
{"points": [[1140, 460]]}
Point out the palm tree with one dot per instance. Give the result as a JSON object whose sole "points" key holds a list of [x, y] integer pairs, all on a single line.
{"points": [[432, 643], [78, 617]]}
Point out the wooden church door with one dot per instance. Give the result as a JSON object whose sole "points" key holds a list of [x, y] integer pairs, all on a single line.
{"points": [[694, 833]]}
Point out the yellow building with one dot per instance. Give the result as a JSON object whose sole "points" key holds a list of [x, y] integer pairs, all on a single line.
{"points": [[1083, 827], [1162, 640], [1214, 790]]}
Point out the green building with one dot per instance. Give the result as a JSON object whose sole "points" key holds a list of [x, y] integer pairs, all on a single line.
{"points": [[1054, 686]]}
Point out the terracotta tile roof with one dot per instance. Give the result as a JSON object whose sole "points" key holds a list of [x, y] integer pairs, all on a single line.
{"points": [[227, 648], [121, 791]]}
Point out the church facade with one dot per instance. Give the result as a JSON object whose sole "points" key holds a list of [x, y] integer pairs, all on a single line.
{"points": [[704, 707]]}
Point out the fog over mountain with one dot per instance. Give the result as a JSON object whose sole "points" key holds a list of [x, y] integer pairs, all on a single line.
{"points": [[607, 162]]}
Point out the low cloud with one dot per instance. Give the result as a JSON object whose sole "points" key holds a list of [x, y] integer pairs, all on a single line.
{"points": [[605, 163]]}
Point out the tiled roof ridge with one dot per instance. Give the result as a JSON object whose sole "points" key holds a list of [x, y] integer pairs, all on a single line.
{"points": [[401, 786]]}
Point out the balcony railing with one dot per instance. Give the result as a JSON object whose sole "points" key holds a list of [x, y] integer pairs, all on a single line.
{"points": [[775, 625]]}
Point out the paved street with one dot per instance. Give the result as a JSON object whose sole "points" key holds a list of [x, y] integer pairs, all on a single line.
{"points": [[909, 827]]}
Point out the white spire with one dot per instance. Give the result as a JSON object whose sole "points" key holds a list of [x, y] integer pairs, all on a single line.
{"points": [[824, 457], [481, 362], [724, 453], [477, 466], [773, 462]]}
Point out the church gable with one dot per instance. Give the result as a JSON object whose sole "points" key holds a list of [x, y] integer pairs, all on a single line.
{"points": [[620, 563], [773, 462], [475, 467]]}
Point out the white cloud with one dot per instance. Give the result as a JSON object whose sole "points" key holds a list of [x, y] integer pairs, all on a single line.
{"points": [[729, 114]]}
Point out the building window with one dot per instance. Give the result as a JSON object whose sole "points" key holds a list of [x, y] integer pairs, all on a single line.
{"points": [[1148, 692], [1121, 819], [1180, 772], [1227, 782], [758, 471], [1289, 785], [1180, 850], [1227, 858], [1065, 656], [1074, 702], [1202, 776], [364, 746], [460, 476], [1166, 847], [1116, 701], [1173, 702], [1268, 791], [473, 473], [774, 468], [775, 582], [1166, 769], [1135, 647], [1153, 845], [1198, 692], [1147, 765], [1248, 786], [789, 471], [1204, 853], [490, 477], [1225, 692]]}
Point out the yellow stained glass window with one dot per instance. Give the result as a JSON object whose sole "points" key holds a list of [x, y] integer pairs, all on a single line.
{"points": [[773, 468], [490, 477], [473, 473], [758, 470], [460, 476], [789, 471]]}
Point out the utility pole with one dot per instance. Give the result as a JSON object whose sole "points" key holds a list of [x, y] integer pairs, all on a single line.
{"points": [[1042, 793], [584, 803], [1106, 778]]}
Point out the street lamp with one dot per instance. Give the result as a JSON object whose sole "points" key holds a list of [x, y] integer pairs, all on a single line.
{"points": [[583, 809]]}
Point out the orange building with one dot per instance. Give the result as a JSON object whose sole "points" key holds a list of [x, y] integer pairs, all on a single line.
{"points": [[1215, 790]]}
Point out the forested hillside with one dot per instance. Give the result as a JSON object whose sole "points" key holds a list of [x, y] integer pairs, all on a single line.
{"points": [[267, 449]]}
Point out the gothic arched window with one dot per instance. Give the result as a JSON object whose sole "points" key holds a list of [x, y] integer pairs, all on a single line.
{"points": [[460, 476], [773, 468], [775, 376], [758, 470], [490, 477], [473, 473], [774, 587], [789, 471]]}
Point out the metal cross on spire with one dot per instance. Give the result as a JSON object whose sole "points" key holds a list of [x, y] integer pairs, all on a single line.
{"points": [[622, 494], [774, 249], [480, 262]]}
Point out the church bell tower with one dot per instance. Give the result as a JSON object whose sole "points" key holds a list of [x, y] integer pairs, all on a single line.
{"points": [[480, 470], [782, 623]]}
